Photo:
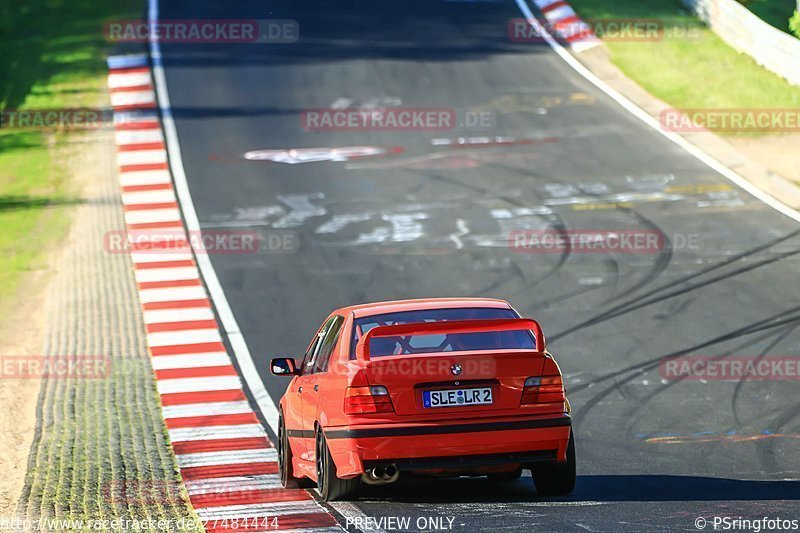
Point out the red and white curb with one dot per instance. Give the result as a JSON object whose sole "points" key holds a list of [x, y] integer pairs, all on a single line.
{"points": [[227, 462], [563, 20]]}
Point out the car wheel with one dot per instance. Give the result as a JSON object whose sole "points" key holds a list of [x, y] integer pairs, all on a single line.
{"points": [[556, 479], [285, 461], [329, 486], [506, 476]]}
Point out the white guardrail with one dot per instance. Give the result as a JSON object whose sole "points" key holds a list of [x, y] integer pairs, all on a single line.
{"points": [[736, 25]]}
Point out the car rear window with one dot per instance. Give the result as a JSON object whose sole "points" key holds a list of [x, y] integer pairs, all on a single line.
{"points": [[414, 344]]}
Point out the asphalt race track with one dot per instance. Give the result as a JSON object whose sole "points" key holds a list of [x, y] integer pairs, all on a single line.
{"points": [[427, 218]]}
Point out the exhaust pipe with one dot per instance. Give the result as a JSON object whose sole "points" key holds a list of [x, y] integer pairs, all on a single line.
{"points": [[381, 475]]}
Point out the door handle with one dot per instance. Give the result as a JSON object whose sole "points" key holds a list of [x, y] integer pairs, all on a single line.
{"points": [[316, 388]]}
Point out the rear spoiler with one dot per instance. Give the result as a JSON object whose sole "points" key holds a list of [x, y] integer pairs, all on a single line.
{"points": [[451, 326]]}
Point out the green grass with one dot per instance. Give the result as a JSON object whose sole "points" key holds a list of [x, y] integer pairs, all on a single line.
{"points": [[698, 71], [51, 56], [91, 434], [33, 192], [794, 23], [774, 12]]}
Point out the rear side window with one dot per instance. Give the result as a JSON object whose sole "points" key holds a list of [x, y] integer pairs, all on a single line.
{"points": [[327, 343], [312, 354], [413, 344]]}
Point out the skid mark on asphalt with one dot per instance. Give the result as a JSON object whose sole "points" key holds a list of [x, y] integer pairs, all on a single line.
{"points": [[768, 325], [642, 300], [701, 438], [226, 459]]}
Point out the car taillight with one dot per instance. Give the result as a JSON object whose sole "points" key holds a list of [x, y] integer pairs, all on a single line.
{"points": [[543, 389], [363, 400]]}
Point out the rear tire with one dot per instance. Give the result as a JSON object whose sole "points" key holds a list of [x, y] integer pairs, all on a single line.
{"points": [[330, 487], [556, 479], [285, 461]]}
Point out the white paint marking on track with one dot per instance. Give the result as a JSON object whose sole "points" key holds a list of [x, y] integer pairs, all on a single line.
{"points": [[215, 383], [260, 509], [148, 216], [176, 315], [556, 16], [129, 79], [173, 235], [175, 244], [125, 137], [144, 177], [642, 115], [154, 257], [169, 274], [131, 98], [262, 455], [236, 339], [352, 513], [222, 485], [195, 360], [206, 409], [184, 336], [134, 116], [560, 13], [148, 197], [228, 321], [580, 46], [238, 431], [142, 157], [172, 294]]}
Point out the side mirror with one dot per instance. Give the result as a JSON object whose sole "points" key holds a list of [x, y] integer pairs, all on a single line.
{"points": [[284, 366]]}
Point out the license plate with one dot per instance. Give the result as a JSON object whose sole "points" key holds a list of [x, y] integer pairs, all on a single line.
{"points": [[456, 397]]}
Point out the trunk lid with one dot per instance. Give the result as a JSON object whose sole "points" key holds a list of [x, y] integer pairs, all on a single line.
{"points": [[409, 377]]}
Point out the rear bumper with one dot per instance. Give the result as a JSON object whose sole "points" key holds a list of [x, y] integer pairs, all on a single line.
{"points": [[462, 446]]}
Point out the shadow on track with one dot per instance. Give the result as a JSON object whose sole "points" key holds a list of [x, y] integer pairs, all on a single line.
{"points": [[391, 29], [594, 488], [634, 488]]}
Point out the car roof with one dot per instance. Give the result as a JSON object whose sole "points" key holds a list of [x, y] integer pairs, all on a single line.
{"points": [[396, 306]]}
